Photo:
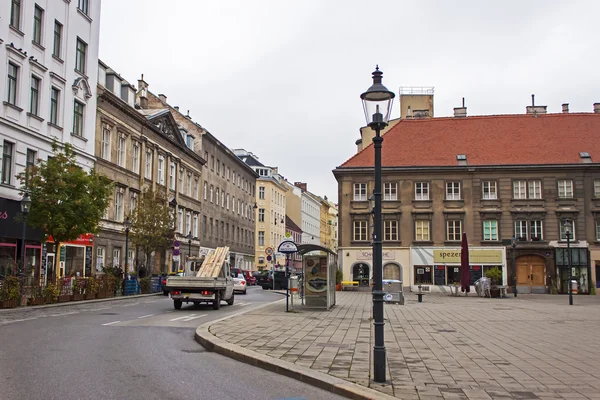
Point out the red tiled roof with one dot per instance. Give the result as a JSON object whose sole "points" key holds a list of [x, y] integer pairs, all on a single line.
{"points": [[488, 140]]}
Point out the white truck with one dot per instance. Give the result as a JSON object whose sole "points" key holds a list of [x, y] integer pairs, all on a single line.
{"points": [[213, 282]]}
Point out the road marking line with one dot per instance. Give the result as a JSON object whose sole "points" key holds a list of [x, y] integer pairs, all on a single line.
{"points": [[110, 323], [191, 318], [243, 304], [146, 316], [185, 316]]}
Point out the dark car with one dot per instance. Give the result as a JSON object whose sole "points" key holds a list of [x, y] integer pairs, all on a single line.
{"points": [[265, 280]]}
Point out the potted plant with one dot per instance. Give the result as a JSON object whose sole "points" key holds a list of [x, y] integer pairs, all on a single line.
{"points": [[91, 288], [10, 292], [35, 294], [495, 275], [145, 285], [50, 293], [339, 277], [76, 290]]}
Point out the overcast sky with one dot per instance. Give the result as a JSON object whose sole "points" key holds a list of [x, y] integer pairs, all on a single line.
{"points": [[282, 79]]}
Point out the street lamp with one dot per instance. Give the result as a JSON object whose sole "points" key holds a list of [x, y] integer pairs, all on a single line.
{"points": [[25, 206], [514, 247], [377, 104], [567, 226], [189, 238], [127, 224]]}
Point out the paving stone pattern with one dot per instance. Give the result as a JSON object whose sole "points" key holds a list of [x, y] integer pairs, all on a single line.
{"points": [[530, 347]]}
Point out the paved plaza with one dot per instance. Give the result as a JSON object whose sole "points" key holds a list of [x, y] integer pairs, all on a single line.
{"points": [[530, 347]]}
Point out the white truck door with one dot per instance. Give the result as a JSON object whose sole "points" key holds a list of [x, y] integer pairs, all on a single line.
{"points": [[229, 283]]}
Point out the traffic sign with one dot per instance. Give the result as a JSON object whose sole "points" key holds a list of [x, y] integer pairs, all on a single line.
{"points": [[269, 251], [287, 247], [288, 234], [177, 243], [176, 252], [269, 258]]}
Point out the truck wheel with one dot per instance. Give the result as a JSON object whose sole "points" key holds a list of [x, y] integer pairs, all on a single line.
{"points": [[230, 301], [217, 301], [177, 304]]}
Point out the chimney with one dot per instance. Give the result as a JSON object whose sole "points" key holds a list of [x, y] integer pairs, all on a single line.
{"points": [[462, 159], [188, 115], [461, 111], [163, 98], [597, 108], [143, 85], [565, 108], [359, 145], [535, 110], [301, 185], [176, 108]]}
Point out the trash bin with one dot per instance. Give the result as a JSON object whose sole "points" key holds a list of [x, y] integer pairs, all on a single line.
{"points": [[392, 289], [574, 286]]}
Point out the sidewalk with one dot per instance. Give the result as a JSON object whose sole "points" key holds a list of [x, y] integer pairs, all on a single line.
{"points": [[530, 347]]}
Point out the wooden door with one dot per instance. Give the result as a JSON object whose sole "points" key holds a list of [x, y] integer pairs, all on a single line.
{"points": [[531, 274], [538, 276]]}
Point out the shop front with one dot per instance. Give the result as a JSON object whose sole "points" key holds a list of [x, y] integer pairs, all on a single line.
{"points": [[75, 257], [580, 269], [435, 269], [357, 264]]}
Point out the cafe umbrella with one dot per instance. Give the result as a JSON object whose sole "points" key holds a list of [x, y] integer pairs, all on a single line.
{"points": [[465, 272]]}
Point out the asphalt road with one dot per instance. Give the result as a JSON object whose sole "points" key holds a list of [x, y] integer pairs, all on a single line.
{"points": [[131, 349]]}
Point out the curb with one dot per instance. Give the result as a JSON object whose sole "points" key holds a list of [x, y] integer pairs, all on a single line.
{"points": [[303, 374], [74, 303]]}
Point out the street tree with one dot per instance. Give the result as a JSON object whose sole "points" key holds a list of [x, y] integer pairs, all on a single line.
{"points": [[152, 223], [66, 200]]}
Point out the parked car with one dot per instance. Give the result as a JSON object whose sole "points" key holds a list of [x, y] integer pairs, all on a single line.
{"points": [[266, 280], [239, 281], [250, 279]]}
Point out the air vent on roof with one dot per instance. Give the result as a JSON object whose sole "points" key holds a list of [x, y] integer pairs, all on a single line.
{"points": [[462, 159], [585, 157]]}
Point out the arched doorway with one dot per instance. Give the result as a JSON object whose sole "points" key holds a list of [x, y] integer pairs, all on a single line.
{"points": [[360, 273], [531, 274], [392, 271]]}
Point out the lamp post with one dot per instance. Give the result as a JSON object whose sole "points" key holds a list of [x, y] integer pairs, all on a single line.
{"points": [[567, 226], [377, 104], [25, 205], [127, 224], [189, 238], [514, 263]]}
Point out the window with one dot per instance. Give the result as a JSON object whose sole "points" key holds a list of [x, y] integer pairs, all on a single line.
{"points": [[15, 14], [490, 230], [78, 119], [422, 191], [597, 232], [29, 163], [148, 165], [80, 56], [228, 173], [57, 39], [261, 193], [390, 191], [211, 227], [196, 188], [489, 190], [212, 162], [180, 181], [116, 256], [261, 238], [360, 231], [188, 185], [390, 230], [121, 151], [537, 230], [218, 167], [11, 85], [217, 193], [100, 252], [195, 227], [204, 226], [227, 199], [563, 231], [161, 170], [239, 206], [521, 230], [189, 141], [454, 230], [7, 156], [105, 148], [180, 221], [422, 231], [452, 190], [34, 104], [172, 176], [212, 197], [519, 190], [119, 205], [132, 202], [83, 6], [233, 177], [565, 189], [360, 192], [597, 188], [423, 275], [535, 189], [54, 96], [135, 157], [222, 198], [188, 222], [38, 17]]}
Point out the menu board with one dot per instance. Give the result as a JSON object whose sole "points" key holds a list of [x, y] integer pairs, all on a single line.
{"points": [[439, 275], [44, 254], [88, 261], [476, 271]]}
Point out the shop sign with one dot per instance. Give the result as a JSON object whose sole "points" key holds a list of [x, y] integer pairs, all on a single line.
{"points": [[63, 253], [87, 239], [476, 256], [368, 255]]}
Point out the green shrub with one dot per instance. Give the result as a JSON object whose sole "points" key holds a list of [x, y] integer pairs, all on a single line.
{"points": [[51, 291], [145, 285], [495, 275]]}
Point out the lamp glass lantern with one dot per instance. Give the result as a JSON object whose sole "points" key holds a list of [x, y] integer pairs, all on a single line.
{"points": [[127, 224], [377, 101], [25, 203], [567, 228]]}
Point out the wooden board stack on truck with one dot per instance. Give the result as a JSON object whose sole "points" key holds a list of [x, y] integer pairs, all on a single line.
{"points": [[212, 284]]}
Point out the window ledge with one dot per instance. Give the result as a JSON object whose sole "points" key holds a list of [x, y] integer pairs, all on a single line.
{"points": [[452, 242], [79, 137], [38, 45], [84, 15], [423, 242], [35, 117], [7, 185], [57, 58], [55, 126], [11, 105], [491, 242], [78, 72], [16, 30]]}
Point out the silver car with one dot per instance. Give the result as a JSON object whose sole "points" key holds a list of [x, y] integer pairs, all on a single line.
{"points": [[239, 281]]}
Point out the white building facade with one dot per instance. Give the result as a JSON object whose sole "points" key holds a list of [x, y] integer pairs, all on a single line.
{"points": [[311, 219]]}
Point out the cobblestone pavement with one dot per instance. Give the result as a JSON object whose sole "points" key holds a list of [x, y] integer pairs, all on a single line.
{"points": [[530, 347]]}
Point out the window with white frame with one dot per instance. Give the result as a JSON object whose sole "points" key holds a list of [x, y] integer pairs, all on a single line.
{"points": [[161, 170], [261, 237], [537, 231], [172, 176], [563, 230], [535, 189], [227, 200], [597, 232], [133, 203], [180, 221], [239, 208], [80, 56], [54, 104], [390, 230], [565, 188], [121, 150], [148, 165], [452, 190], [100, 254], [422, 230], [195, 227], [196, 188], [390, 191], [489, 190], [233, 204], [519, 189], [34, 103], [12, 83], [521, 229], [7, 162], [597, 188], [117, 256], [261, 193], [38, 24], [57, 39], [222, 198], [83, 6], [180, 186], [105, 145], [490, 230], [78, 118], [188, 222], [188, 184], [15, 14], [453, 230], [217, 195], [135, 157], [119, 203], [360, 192], [212, 194], [360, 231], [421, 190]]}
